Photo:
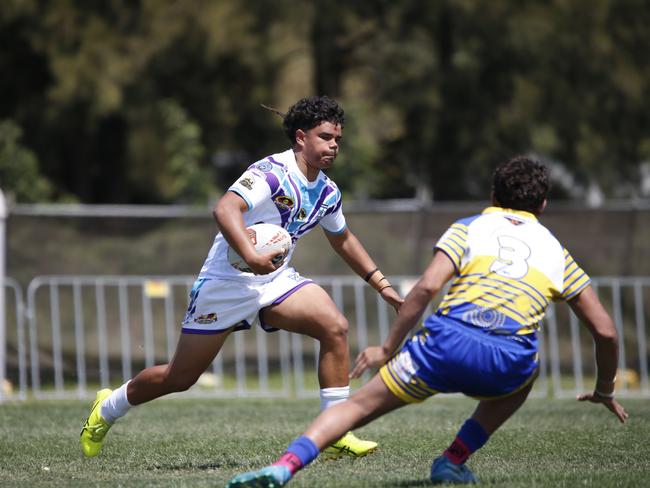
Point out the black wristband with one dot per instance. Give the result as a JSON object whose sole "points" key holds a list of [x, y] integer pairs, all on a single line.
{"points": [[370, 273], [604, 395]]}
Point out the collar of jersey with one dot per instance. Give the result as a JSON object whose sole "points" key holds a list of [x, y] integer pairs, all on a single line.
{"points": [[520, 213], [291, 162]]}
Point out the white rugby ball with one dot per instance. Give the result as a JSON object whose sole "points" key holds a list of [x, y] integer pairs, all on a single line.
{"points": [[266, 238]]}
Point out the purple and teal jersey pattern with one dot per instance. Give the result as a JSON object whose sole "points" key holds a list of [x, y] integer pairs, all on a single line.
{"points": [[277, 192]]}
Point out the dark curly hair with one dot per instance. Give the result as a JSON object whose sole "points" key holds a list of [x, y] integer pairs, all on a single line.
{"points": [[307, 113], [521, 184]]}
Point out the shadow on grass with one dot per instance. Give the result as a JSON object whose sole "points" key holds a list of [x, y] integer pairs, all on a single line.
{"points": [[188, 466], [406, 483]]}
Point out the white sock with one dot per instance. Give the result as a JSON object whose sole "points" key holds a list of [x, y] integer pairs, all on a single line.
{"points": [[332, 396], [116, 404]]}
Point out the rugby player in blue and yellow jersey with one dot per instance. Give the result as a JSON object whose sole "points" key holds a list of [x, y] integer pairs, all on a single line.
{"points": [[505, 268]]}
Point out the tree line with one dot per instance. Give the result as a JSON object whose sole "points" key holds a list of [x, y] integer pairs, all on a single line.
{"points": [[158, 101]]}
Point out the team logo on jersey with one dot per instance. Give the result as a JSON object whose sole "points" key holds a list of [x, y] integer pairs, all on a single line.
{"points": [[264, 166], [513, 221], [484, 317], [247, 183], [403, 366], [284, 202], [208, 318], [322, 211], [302, 215]]}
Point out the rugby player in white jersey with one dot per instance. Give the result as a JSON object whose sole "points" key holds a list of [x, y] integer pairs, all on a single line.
{"points": [[288, 189], [505, 269]]}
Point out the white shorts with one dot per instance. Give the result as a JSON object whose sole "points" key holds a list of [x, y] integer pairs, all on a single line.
{"points": [[217, 305]]}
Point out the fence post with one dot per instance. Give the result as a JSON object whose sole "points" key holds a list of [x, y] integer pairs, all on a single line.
{"points": [[3, 346]]}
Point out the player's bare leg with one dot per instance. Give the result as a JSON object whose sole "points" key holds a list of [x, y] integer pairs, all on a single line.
{"points": [[491, 414], [372, 400], [193, 355], [310, 311]]}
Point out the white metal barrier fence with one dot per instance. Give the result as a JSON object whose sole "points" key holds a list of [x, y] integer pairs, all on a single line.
{"points": [[87, 332], [15, 348]]}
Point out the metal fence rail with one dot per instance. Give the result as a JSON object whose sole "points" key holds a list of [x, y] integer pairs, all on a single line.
{"points": [[87, 332], [16, 351]]}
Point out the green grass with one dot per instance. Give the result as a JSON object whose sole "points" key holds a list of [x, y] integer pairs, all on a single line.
{"points": [[195, 443]]}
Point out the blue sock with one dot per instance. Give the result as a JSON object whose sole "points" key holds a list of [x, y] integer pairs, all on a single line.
{"points": [[473, 434], [470, 437], [304, 449]]}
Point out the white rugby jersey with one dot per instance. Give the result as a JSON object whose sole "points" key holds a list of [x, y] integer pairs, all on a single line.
{"points": [[277, 192], [509, 268]]}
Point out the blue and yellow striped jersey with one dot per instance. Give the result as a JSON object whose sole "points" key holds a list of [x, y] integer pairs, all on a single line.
{"points": [[509, 268]]}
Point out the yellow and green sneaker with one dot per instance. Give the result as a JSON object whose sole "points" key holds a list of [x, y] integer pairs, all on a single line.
{"points": [[95, 429], [349, 445]]}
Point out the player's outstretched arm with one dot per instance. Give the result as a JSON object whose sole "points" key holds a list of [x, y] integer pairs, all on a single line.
{"points": [[349, 247], [439, 271], [228, 212], [588, 308]]}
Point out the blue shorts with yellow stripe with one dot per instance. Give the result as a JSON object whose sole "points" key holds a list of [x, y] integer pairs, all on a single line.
{"points": [[447, 356]]}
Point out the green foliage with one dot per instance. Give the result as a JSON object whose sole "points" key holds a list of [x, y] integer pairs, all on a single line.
{"points": [[436, 92], [19, 172], [183, 146], [166, 148]]}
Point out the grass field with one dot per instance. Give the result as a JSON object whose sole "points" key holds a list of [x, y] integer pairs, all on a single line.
{"points": [[183, 442]]}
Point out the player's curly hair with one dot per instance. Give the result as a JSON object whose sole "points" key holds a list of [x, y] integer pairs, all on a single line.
{"points": [[521, 184], [307, 113]]}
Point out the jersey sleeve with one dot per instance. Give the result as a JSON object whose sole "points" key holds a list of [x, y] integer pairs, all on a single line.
{"points": [[575, 279], [454, 243], [334, 221], [253, 186]]}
